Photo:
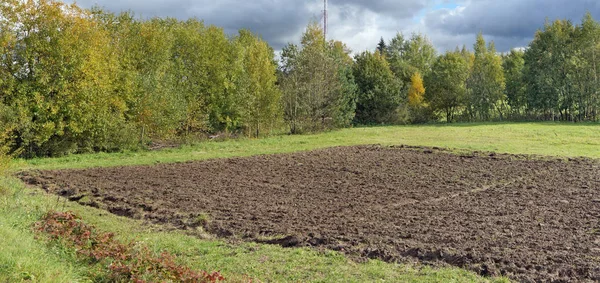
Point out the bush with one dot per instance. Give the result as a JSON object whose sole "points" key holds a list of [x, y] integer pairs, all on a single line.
{"points": [[120, 262]]}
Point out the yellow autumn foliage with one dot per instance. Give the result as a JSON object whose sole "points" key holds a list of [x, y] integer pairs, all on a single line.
{"points": [[416, 92]]}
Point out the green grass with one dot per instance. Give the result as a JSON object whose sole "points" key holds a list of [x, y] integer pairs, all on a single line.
{"points": [[556, 139], [23, 258]]}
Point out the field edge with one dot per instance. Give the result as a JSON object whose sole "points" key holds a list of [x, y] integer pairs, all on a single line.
{"points": [[26, 258]]}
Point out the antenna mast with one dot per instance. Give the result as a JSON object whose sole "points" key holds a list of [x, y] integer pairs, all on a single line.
{"points": [[325, 19]]}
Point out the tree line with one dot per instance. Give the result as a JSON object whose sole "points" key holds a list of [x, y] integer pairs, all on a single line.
{"points": [[76, 80], [80, 80], [555, 78]]}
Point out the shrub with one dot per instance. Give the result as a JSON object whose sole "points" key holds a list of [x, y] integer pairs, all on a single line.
{"points": [[120, 262]]}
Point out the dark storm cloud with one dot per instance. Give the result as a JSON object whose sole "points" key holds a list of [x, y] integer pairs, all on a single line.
{"points": [[360, 23], [273, 20], [509, 23], [277, 21]]}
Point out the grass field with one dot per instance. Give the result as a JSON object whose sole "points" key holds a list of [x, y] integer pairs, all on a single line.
{"points": [[556, 139], [23, 258]]}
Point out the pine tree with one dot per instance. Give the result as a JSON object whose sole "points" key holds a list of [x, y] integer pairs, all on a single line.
{"points": [[382, 47]]}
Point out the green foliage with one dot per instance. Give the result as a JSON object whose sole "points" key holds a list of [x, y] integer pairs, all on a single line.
{"points": [[261, 98], [191, 74], [5, 159], [560, 73], [317, 83], [409, 56], [446, 84], [342, 103], [381, 46], [152, 103], [77, 80], [62, 73], [556, 78], [379, 92], [513, 65], [6, 127], [486, 83], [587, 68], [223, 67], [546, 70]]}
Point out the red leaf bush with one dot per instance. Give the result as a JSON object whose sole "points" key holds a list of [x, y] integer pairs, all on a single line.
{"points": [[122, 263]]}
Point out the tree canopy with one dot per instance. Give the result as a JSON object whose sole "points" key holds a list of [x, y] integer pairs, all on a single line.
{"points": [[79, 80]]}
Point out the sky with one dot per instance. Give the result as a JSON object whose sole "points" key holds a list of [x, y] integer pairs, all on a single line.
{"points": [[361, 23]]}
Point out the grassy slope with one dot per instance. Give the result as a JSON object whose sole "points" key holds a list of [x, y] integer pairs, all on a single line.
{"points": [[24, 258]]}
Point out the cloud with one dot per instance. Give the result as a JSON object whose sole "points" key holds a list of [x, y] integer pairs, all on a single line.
{"points": [[273, 20], [281, 21], [360, 23], [399, 9], [510, 23]]}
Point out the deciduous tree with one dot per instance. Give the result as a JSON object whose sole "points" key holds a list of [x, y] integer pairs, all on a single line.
{"points": [[416, 91], [486, 82], [317, 86], [379, 92], [446, 84], [513, 64]]}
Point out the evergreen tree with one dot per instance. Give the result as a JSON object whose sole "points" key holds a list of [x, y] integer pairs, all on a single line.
{"points": [[381, 46]]}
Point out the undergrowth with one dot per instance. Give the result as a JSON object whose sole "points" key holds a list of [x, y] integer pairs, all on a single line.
{"points": [[116, 262]]}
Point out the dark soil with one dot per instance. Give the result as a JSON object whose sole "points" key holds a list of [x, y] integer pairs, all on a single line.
{"points": [[528, 219]]}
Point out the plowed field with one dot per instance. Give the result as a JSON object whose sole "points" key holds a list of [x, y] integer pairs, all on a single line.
{"points": [[525, 218]]}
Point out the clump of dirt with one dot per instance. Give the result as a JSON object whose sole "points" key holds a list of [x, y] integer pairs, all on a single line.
{"points": [[525, 218]]}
